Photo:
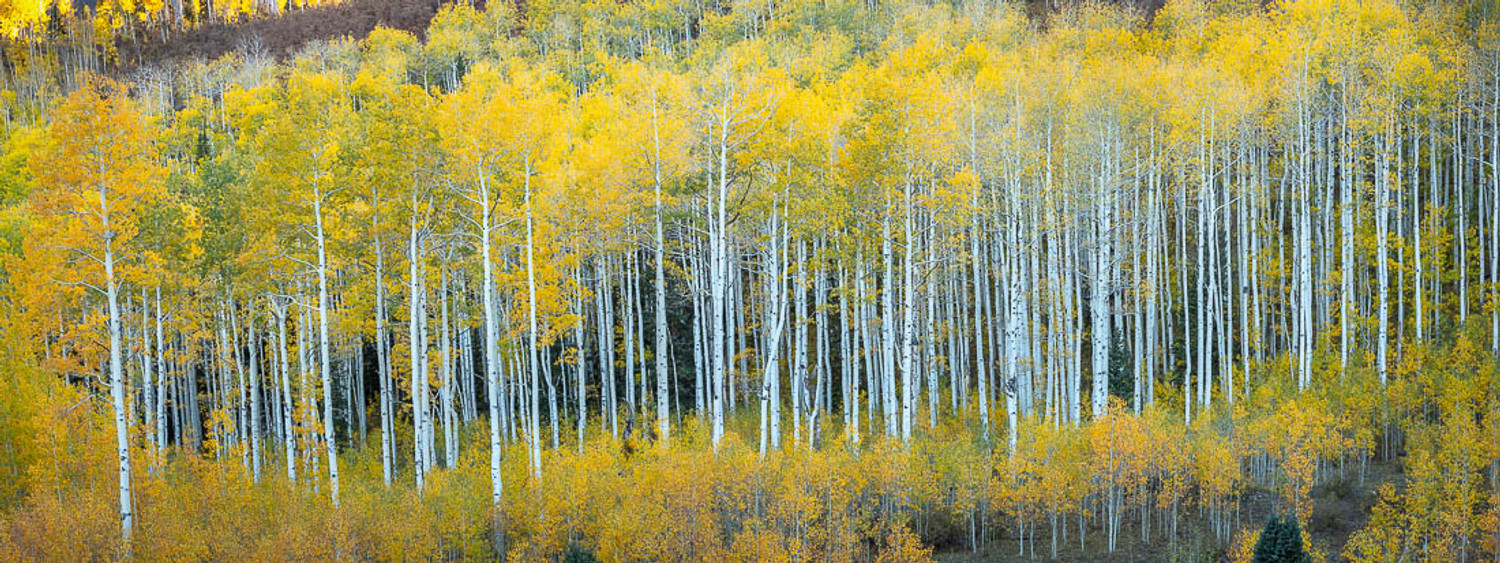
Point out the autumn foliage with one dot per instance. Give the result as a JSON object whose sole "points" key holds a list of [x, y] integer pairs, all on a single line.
{"points": [[727, 281]]}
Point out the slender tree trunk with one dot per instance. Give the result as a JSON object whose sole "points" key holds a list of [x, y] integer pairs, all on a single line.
{"points": [[1346, 217], [148, 386], [117, 386], [450, 417], [718, 284], [416, 313], [1099, 298], [491, 363], [323, 355], [161, 395], [1382, 263], [581, 367], [531, 336], [382, 355], [663, 424], [888, 333], [908, 324], [606, 324], [289, 427], [253, 343]]}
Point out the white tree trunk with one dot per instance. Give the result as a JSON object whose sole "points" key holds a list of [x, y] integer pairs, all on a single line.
{"points": [[606, 342], [663, 424], [1346, 226], [117, 385], [253, 343], [531, 332], [798, 383], [161, 395], [1382, 262], [382, 355], [1014, 328], [323, 356], [908, 326], [1099, 311], [416, 313], [581, 367], [982, 374], [288, 423], [888, 332], [491, 362], [718, 287], [148, 386], [450, 416]]}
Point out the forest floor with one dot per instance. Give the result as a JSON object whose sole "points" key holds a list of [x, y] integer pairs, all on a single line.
{"points": [[1341, 506]]}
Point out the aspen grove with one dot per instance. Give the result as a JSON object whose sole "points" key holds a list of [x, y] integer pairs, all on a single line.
{"points": [[803, 280]]}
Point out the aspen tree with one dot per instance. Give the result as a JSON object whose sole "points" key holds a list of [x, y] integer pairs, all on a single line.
{"points": [[652, 129], [465, 120], [98, 174], [735, 99], [299, 140]]}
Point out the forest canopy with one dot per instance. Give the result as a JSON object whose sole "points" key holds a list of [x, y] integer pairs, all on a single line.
{"points": [[688, 281]]}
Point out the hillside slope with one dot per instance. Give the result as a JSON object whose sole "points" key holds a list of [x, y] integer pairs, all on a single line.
{"points": [[282, 35]]}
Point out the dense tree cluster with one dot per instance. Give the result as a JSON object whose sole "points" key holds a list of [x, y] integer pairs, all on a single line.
{"points": [[800, 280]]}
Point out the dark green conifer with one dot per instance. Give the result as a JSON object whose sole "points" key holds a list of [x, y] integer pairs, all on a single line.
{"points": [[1281, 542]]}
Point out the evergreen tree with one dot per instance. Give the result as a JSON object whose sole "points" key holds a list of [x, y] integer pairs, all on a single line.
{"points": [[1280, 542]]}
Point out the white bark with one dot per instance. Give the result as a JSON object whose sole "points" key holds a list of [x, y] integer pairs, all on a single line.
{"points": [[1346, 225], [252, 341], [491, 348], [888, 333], [531, 330], [908, 326], [287, 406], [718, 283], [1099, 311], [416, 313], [1382, 263], [450, 416], [580, 375], [382, 355], [606, 338], [161, 395], [117, 381], [331, 440], [148, 386], [663, 424]]}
